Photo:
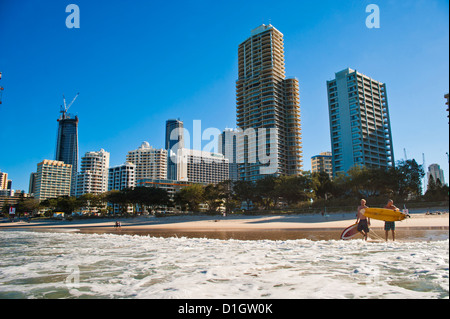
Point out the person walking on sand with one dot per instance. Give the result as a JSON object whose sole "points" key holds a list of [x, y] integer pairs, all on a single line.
{"points": [[390, 226], [362, 221]]}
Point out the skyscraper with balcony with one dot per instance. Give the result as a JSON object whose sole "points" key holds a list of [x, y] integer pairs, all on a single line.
{"points": [[93, 177], [67, 145], [265, 99], [150, 163], [3, 180], [52, 179], [360, 127], [119, 178], [322, 164]]}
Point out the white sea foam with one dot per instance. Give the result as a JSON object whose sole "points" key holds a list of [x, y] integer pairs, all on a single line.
{"points": [[68, 265]]}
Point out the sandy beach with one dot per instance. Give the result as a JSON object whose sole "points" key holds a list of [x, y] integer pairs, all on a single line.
{"points": [[277, 227]]}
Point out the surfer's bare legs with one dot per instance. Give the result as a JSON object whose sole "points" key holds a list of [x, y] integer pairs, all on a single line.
{"points": [[387, 234], [364, 235]]}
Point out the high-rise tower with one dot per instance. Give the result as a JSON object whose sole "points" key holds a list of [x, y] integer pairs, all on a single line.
{"points": [[67, 142], [93, 176], [174, 142], [359, 122], [265, 99]]}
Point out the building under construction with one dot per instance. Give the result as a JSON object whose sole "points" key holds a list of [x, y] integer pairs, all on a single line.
{"points": [[67, 142]]}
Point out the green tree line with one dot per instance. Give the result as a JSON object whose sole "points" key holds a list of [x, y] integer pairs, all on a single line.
{"points": [[402, 183]]}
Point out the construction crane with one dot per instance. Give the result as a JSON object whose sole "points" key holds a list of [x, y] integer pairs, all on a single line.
{"points": [[66, 107]]}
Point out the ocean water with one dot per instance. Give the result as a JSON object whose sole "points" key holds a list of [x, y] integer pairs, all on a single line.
{"points": [[74, 265]]}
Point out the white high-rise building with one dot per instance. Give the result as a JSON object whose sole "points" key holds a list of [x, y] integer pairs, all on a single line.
{"points": [[3, 180], [119, 178], [93, 178], [322, 163], [437, 173], [150, 163], [360, 128], [53, 179], [201, 167]]}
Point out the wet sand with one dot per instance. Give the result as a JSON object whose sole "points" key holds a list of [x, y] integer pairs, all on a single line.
{"points": [[268, 227], [405, 234]]}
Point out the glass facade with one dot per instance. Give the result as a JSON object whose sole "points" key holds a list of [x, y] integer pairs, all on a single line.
{"points": [[67, 145]]}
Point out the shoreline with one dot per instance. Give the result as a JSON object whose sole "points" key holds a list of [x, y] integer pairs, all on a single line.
{"points": [[277, 227]]}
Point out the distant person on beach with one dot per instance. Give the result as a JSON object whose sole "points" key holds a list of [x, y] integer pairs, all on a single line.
{"points": [[390, 226], [362, 221], [117, 225]]}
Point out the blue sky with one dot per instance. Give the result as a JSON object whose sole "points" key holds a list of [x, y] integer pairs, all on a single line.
{"points": [[138, 63]]}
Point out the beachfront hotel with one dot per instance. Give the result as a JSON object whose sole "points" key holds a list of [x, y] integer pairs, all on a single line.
{"points": [[53, 179], [201, 167], [266, 99], [322, 163], [150, 163], [93, 177], [360, 128]]}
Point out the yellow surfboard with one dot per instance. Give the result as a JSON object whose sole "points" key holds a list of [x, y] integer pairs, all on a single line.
{"points": [[387, 215]]}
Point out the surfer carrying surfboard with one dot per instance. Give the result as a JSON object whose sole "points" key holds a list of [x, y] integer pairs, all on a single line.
{"points": [[362, 221], [390, 226]]}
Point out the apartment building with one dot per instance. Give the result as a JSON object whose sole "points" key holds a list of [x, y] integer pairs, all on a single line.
{"points": [[53, 179], [436, 172], [360, 127], [322, 163], [93, 177], [3, 180], [150, 163], [201, 167], [121, 177], [265, 99]]}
